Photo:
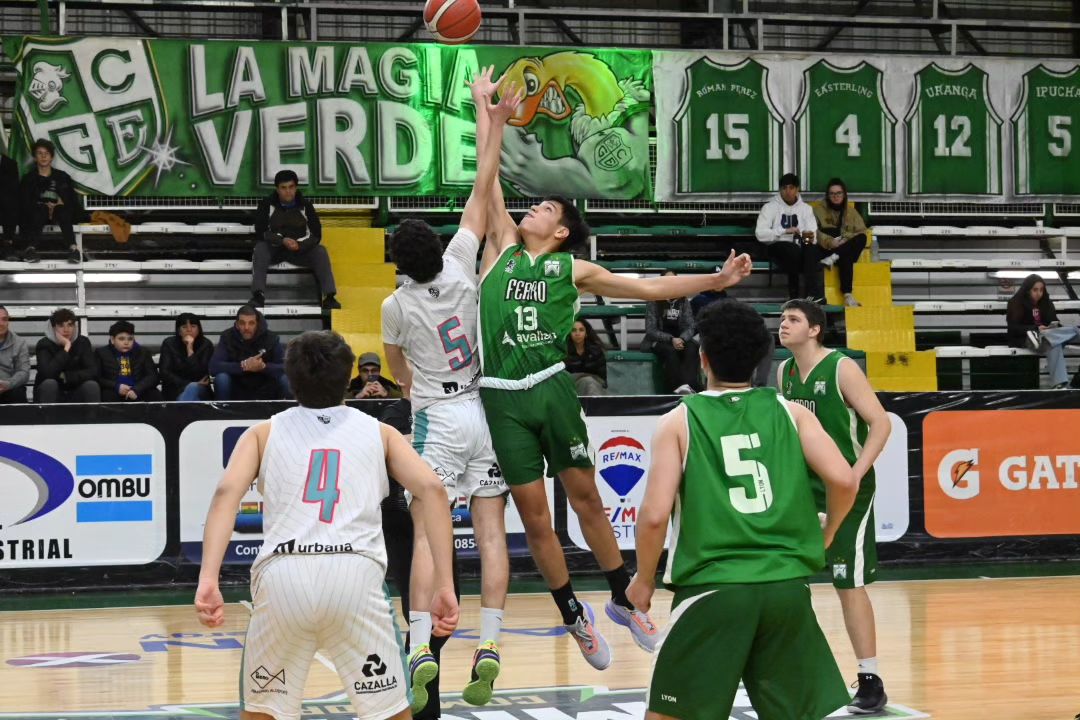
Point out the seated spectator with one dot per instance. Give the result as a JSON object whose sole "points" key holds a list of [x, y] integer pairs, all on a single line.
{"points": [[841, 236], [1033, 322], [14, 362], [287, 229], [66, 364], [47, 197], [369, 383], [669, 334], [786, 225], [9, 207], [185, 361], [249, 361], [586, 359], [126, 370]]}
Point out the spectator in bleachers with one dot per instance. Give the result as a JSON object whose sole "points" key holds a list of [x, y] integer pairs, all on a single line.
{"points": [[369, 382], [669, 334], [249, 361], [47, 197], [126, 369], [786, 225], [184, 364], [66, 364], [841, 236], [9, 207], [287, 229], [586, 359], [1033, 322], [14, 362]]}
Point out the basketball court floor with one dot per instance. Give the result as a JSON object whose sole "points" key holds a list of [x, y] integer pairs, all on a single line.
{"points": [[1005, 649]]}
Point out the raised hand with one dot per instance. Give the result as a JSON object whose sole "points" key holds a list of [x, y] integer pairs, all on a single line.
{"points": [[734, 270], [483, 88], [508, 103]]}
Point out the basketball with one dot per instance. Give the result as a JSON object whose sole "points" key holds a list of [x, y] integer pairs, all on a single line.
{"points": [[452, 21]]}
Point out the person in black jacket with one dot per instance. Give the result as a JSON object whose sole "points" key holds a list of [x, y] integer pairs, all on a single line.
{"points": [[47, 197], [66, 365], [184, 364], [1032, 322], [9, 206], [249, 362], [287, 229], [586, 359], [669, 334], [126, 371]]}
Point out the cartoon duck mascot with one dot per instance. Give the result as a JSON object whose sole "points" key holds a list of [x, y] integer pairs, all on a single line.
{"points": [[609, 127]]}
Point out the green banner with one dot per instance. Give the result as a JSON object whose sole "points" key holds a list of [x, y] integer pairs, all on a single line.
{"points": [[178, 118]]}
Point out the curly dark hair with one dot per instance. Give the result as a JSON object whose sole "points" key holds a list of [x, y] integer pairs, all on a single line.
{"points": [[813, 313], [318, 364], [416, 250], [43, 144], [61, 316], [572, 220], [734, 339]]}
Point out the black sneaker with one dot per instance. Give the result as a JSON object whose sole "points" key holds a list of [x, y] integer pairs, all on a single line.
{"points": [[1034, 340], [870, 697], [330, 303], [29, 255], [74, 255], [257, 300]]}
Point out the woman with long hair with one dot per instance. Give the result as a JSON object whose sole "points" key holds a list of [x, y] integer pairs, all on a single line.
{"points": [[1033, 322], [586, 359], [841, 236]]}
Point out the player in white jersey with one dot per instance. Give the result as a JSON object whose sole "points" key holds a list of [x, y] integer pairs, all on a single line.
{"points": [[317, 583], [429, 334]]}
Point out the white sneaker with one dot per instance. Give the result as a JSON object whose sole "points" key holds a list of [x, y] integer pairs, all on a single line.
{"points": [[850, 301], [593, 646], [684, 390], [1034, 340], [830, 260]]}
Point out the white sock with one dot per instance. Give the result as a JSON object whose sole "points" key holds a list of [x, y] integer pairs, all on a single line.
{"points": [[419, 630], [491, 621], [868, 665]]}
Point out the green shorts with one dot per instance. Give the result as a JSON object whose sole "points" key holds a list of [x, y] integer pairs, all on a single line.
{"points": [[544, 422], [766, 634], [852, 557]]}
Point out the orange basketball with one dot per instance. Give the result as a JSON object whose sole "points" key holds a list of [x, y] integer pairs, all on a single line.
{"points": [[452, 21]]}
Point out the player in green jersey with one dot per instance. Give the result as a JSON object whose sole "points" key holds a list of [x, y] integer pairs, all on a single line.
{"points": [[528, 297], [729, 468], [834, 388]]}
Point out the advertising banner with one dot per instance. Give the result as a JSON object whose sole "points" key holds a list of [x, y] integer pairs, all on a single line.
{"points": [[622, 465], [78, 495], [219, 118], [993, 473]]}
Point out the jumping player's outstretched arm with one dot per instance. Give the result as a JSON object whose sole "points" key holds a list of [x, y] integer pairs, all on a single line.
{"points": [[594, 279], [665, 474], [242, 470], [864, 401], [826, 460], [413, 473], [490, 122]]}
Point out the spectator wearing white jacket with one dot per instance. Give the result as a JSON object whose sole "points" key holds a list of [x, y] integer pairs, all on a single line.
{"points": [[788, 227]]}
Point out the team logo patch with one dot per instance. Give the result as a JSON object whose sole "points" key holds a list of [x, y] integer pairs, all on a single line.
{"points": [[47, 86], [552, 268], [819, 387], [579, 452], [433, 292], [839, 571], [510, 265]]}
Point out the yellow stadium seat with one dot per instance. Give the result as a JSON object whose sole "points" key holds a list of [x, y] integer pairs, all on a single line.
{"points": [[902, 371]]}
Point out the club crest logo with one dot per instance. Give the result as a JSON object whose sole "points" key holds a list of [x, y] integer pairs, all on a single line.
{"points": [[100, 104], [47, 86]]}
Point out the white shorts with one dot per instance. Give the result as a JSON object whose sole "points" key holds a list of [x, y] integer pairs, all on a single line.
{"points": [[453, 438], [333, 603]]}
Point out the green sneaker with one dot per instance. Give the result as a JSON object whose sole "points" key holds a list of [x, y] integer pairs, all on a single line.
{"points": [[485, 669], [422, 670]]}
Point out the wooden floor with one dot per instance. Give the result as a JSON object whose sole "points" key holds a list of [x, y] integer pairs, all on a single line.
{"points": [[953, 649]]}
